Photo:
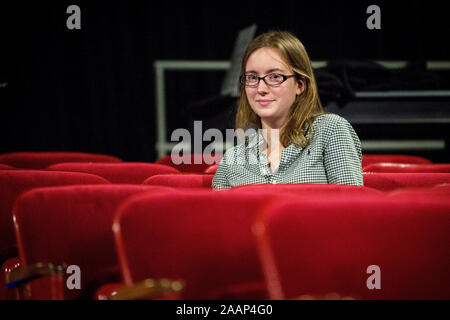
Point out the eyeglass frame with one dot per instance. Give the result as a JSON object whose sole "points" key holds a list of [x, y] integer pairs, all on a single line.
{"points": [[285, 77]]}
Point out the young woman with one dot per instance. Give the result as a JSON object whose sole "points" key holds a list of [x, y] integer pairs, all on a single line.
{"points": [[294, 141]]}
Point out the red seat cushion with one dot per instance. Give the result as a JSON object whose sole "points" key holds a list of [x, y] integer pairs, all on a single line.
{"points": [[73, 225], [181, 180], [123, 172], [390, 181], [194, 163], [41, 160], [305, 188], [313, 248], [212, 169], [15, 182], [407, 168], [396, 158], [5, 167], [203, 237]]}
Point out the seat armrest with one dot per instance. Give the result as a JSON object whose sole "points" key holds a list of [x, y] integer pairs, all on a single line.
{"points": [[147, 289], [23, 274]]}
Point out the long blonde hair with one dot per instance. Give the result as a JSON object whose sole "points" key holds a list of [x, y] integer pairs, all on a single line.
{"points": [[306, 106]]}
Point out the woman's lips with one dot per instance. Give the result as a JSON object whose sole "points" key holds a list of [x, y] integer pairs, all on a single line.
{"points": [[264, 102]]}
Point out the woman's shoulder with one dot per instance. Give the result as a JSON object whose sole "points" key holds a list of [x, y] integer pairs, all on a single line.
{"points": [[330, 120], [329, 124], [238, 150]]}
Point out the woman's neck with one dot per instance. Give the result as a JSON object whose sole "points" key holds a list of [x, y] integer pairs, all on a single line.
{"points": [[271, 135]]}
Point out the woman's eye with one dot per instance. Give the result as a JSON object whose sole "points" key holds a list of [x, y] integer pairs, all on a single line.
{"points": [[251, 77], [274, 76]]}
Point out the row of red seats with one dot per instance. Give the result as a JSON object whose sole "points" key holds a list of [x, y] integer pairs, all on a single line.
{"points": [[137, 173], [94, 200], [251, 242], [15, 182], [206, 164]]}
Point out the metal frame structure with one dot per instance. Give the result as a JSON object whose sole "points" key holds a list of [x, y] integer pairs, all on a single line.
{"points": [[161, 66]]}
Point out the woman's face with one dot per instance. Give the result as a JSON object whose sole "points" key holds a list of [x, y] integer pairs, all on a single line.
{"points": [[271, 103]]}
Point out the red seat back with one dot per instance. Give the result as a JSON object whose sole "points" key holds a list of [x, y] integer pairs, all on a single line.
{"points": [[407, 168], [203, 237], [193, 163], [181, 180], [212, 168], [304, 188], [317, 249], [41, 160], [437, 191], [124, 172], [390, 181], [5, 167], [15, 182], [395, 158], [72, 225]]}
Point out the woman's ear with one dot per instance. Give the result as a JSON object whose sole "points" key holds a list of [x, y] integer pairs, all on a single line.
{"points": [[301, 86]]}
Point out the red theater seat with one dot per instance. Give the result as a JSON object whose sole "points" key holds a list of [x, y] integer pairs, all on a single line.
{"points": [[201, 237], [124, 172], [181, 180], [395, 158], [15, 182], [73, 226], [425, 193], [407, 168], [41, 160], [307, 189], [5, 167], [328, 249], [212, 169], [194, 164], [391, 181]]}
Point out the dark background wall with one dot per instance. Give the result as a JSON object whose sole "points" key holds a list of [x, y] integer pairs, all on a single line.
{"points": [[92, 90]]}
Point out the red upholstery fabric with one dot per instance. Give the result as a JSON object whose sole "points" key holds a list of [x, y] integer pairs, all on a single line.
{"points": [[41, 160], [181, 180], [197, 163], [124, 172], [304, 188], [396, 158], [105, 291], [5, 167], [317, 248], [15, 182], [392, 181], [403, 168], [426, 193], [73, 225], [443, 187], [202, 236], [212, 169]]}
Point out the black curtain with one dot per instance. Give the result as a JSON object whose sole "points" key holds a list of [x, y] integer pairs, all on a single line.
{"points": [[92, 90]]}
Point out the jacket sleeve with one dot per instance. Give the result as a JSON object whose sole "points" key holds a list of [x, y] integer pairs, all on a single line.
{"points": [[342, 154], [220, 180]]}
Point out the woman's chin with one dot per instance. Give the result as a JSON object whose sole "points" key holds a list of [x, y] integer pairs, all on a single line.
{"points": [[265, 113]]}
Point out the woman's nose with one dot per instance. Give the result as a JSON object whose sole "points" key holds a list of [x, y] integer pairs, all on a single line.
{"points": [[262, 86]]}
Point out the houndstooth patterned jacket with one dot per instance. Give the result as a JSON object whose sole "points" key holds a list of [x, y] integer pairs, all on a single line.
{"points": [[333, 156]]}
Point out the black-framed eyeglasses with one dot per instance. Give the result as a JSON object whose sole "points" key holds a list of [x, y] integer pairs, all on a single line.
{"points": [[271, 79]]}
